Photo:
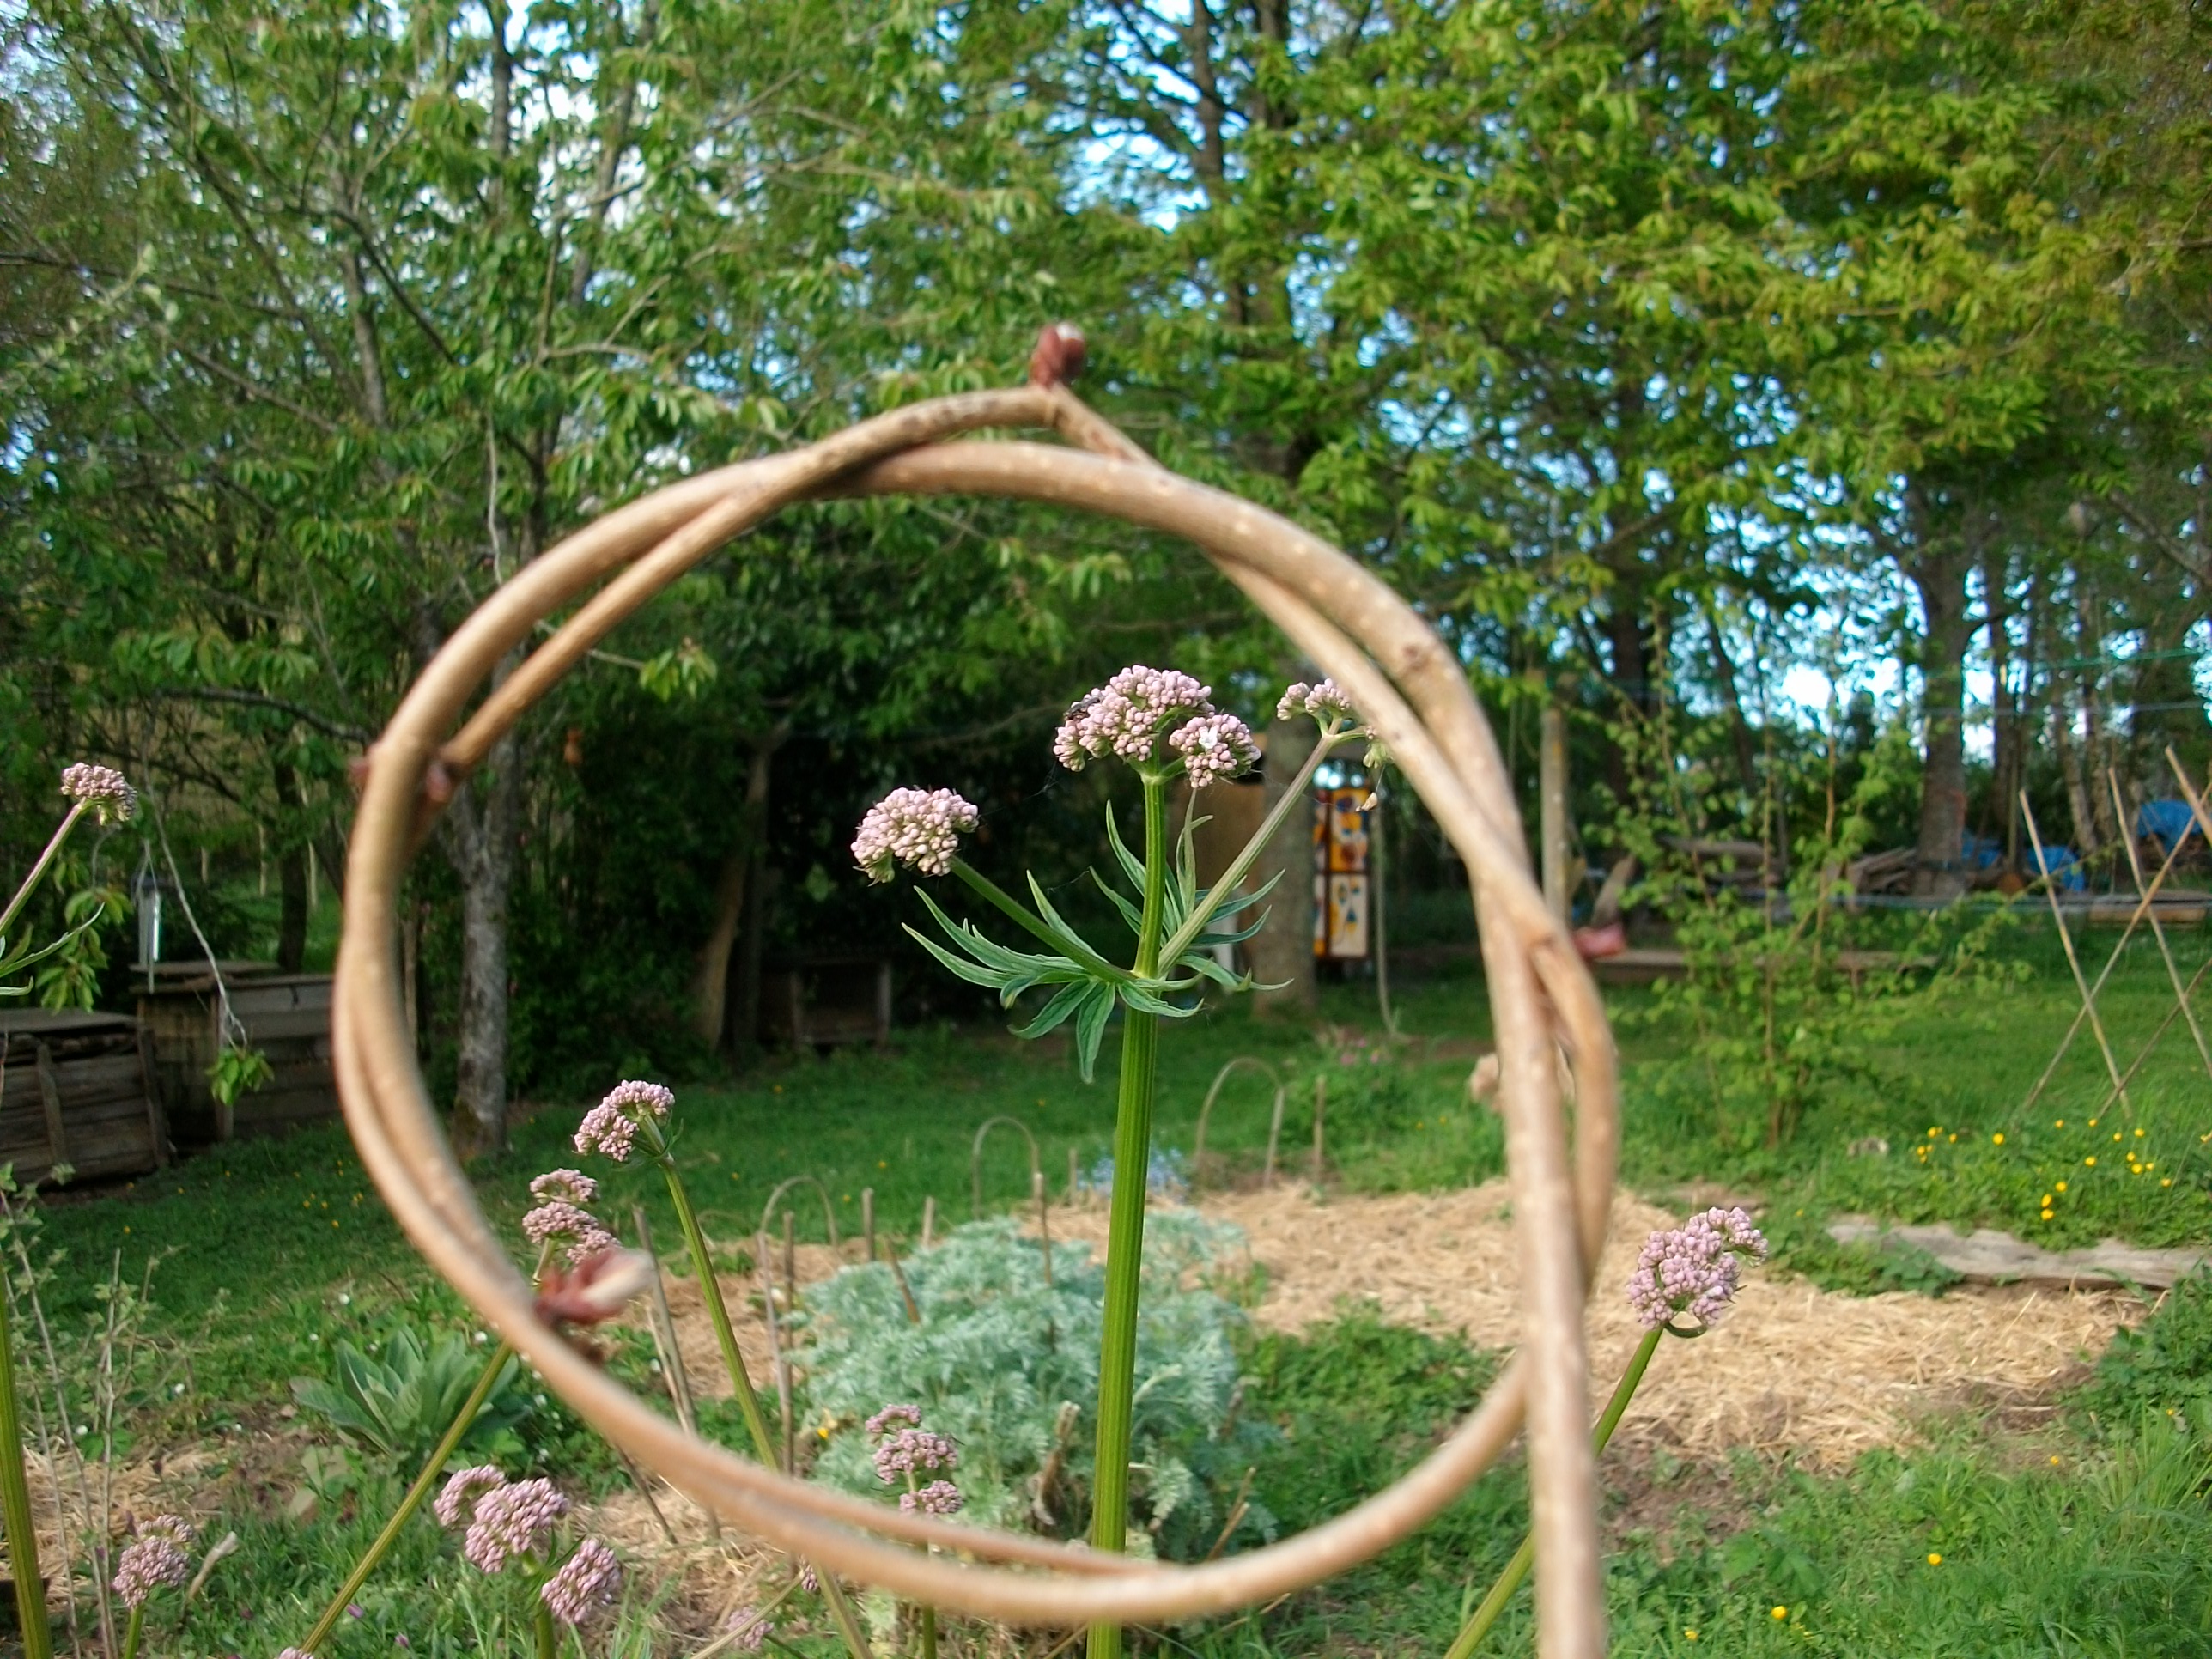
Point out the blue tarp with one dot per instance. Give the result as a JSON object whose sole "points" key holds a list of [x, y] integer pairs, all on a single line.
{"points": [[1980, 852], [2163, 821], [2063, 867]]}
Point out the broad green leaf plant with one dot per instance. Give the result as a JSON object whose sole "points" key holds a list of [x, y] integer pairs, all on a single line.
{"points": [[1164, 726]]}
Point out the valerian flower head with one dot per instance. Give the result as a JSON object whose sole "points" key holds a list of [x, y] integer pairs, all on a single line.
{"points": [[609, 1128], [1214, 747], [462, 1491], [749, 1627], [154, 1558], [102, 789], [563, 1223], [913, 1451], [513, 1520], [1124, 717], [568, 1185], [938, 1498], [1693, 1268], [888, 1418], [919, 827], [586, 1586], [1324, 703]]}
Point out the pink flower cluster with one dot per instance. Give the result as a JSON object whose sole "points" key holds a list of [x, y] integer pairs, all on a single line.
{"points": [[102, 789], [749, 1627], [586, 1586], [885, 1420], [938, 1498], [1124, 717], [1214, 747], [156, 1557], [919, 827], [505, 1519], [609, 1128], [1693, 1268], [903, 1446], [560, 1222], [567, 1186], [1325, 703]]}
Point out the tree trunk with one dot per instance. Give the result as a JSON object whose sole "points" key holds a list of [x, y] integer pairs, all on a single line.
{"points": [[2004, 721], [1282, 950], [711, 999], [481, 844], [291, 874], [1940, 577], [1747, 757]]}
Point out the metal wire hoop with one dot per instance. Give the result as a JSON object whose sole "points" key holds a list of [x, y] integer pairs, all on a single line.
{"points": [[1403, 680]]}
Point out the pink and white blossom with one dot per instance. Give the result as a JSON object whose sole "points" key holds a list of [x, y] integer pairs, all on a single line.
{"points": [[918, 828]]}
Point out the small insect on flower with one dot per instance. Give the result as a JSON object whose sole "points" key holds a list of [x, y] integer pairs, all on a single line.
{"points": [[102, 789]]}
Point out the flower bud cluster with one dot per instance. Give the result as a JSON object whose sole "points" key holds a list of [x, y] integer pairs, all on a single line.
{"points": [[1123, 717], [586, 1586], [1325, 703], [913, 1451], [560, 1222], [938, 1498], [1214, 747], [156, 1557], [511, 1519], [1693, 1268], [609, 1128], [102, 789], [918, 828]]}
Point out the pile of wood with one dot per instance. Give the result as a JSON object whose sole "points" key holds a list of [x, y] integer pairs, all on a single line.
{"points": [[286, 1016]]}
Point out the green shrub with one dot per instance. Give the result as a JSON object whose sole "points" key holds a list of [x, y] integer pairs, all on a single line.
{"points": [[400, 1405], [2164, 1365], [1009, 1368]]}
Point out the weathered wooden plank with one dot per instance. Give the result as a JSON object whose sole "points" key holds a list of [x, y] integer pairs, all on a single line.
{"points": [[1996, 1257], [50, 1096]]}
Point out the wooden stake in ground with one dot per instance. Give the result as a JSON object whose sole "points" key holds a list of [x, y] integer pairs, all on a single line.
{"points": [[2082, 1014], [1044, 1222], [2066, 938], [928, 1225], [868, 1219], [1320, 1102], [2165, 950]]}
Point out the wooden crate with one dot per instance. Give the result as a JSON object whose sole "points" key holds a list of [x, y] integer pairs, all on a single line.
{"points": [[286, 1016], [827, 1000], [78, 1090]]}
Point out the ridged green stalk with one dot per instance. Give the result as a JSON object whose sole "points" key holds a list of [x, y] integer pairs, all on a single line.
{"points": [[15, 1507], [542, 1625], [1125, 1234], [433, 1467], [733, 1360], [1516, 1570]]}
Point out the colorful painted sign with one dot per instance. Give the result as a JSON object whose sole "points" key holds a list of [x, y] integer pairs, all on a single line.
{"points": [[1340, 897]]}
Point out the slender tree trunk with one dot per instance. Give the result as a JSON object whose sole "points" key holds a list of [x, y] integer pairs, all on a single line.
{"points": [[481, 844], [291, 874], [2004, 721], [711, 1000], [1940, 577], [1282, 950]]}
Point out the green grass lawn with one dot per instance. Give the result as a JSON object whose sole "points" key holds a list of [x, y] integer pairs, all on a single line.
{"points": [[269, 1253]]}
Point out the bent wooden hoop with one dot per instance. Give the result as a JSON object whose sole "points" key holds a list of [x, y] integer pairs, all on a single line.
{"points": [[1401, 677]]}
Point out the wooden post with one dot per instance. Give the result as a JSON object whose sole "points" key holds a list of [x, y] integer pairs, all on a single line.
{"points": [[1551, 772], [50, 1097], [790, 1261], [868, 1219], [1075, 1176], [1320, 1102], [1044, 1222], [928, 1222]]}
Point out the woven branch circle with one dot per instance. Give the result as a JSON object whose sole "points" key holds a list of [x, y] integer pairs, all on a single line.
{"points": [[1402, 678]]}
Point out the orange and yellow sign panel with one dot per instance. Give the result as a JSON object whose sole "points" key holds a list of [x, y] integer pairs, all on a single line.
{"points": [[1340, 897]]}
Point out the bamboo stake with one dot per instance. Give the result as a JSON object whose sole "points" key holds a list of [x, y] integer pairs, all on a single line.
{"points": [[928, 1226], [1044, 1222], [790, 1261], [868, 1219], [2074, 962], [1321, 1101], [2158, 932]]}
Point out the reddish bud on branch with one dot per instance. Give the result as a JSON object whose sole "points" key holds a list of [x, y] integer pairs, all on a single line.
{"points": [[1057, 358]]}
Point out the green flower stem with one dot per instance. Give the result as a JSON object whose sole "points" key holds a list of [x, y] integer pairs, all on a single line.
{"points": [[543, 1623], [433, 1467], [929, 1633], [15, 1493], [1516, 1570], [1125, 1237], [1241, 865], [37, 869], [733, 1360], [1020, 916], [132, 1632]]}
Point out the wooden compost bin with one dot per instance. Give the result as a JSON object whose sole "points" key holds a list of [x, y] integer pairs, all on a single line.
{"points": [[827, 1000], [79, 1091], [286, 1016]]}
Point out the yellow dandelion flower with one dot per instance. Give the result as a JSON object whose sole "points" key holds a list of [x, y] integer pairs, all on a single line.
{"points": [[1934, 1559], [2058, 1123], [2046, 1215], [2054, 1460], [2165, 1180], [2091, 1161], [2046, 1200], [1952, 1139], [1998, 1140], [2138, 1137], [1934, 1130], [1779, 1612], [2115, 1134], [2060, 1185], [1689, 1636]]}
